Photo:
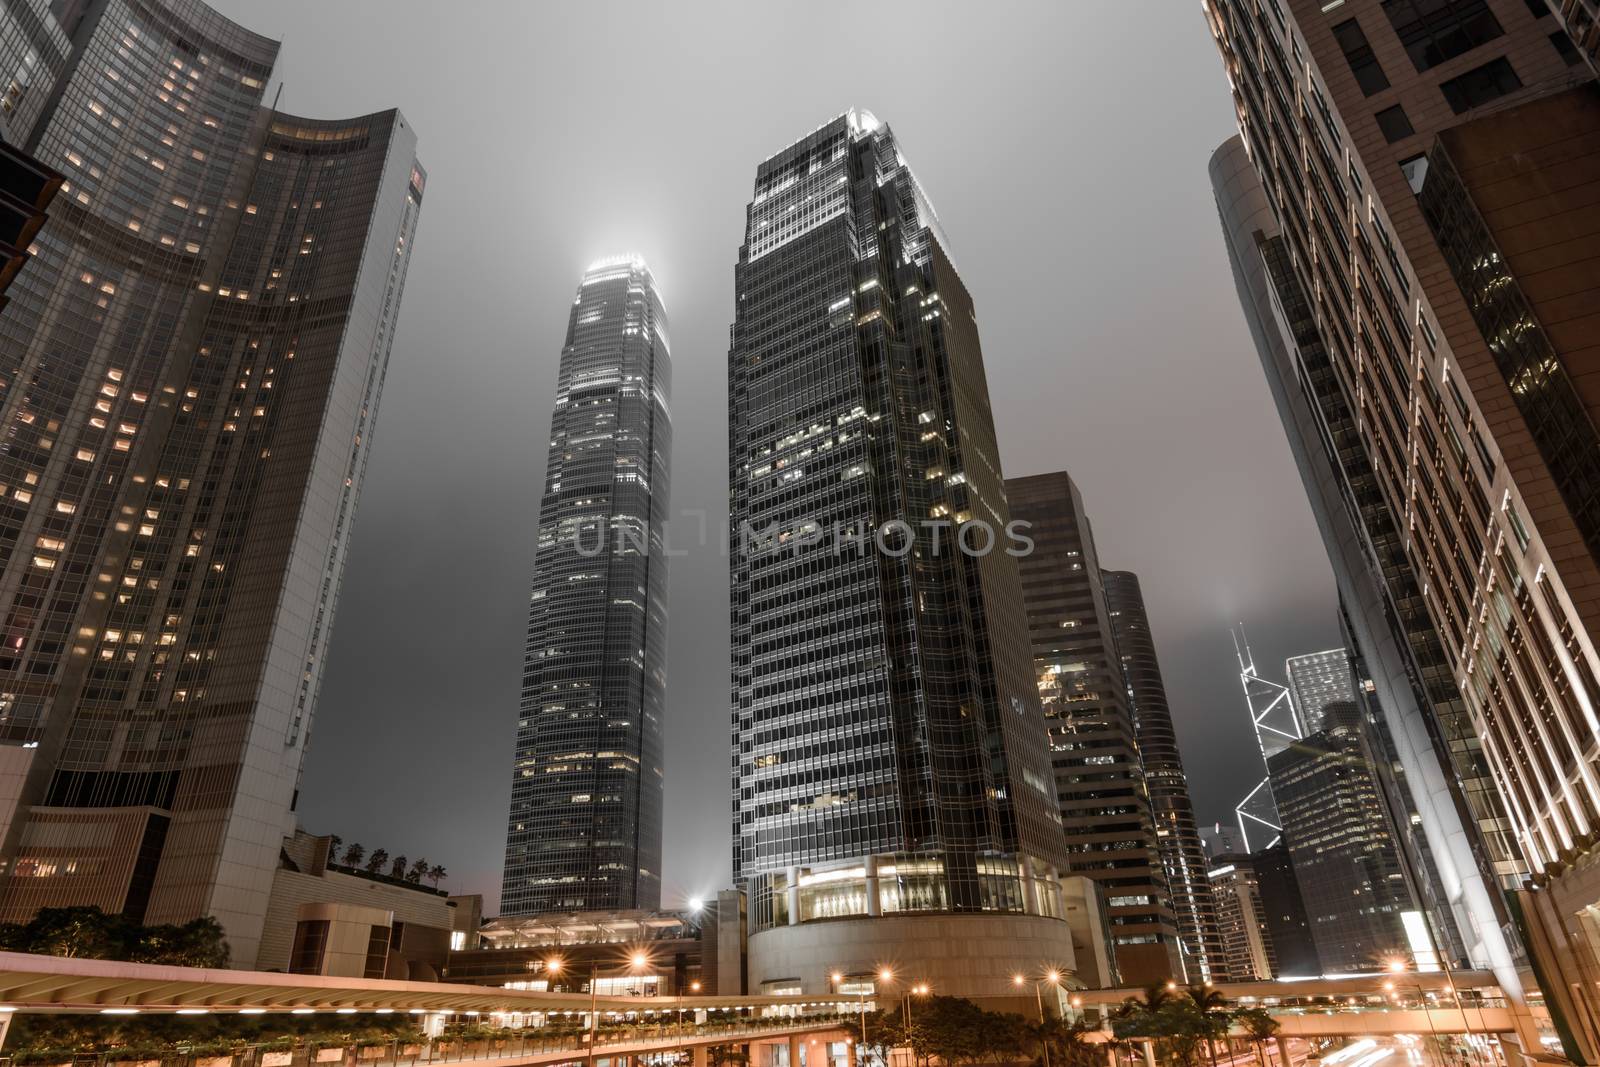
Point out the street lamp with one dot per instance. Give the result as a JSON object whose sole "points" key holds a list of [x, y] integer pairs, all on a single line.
{"points": [[1398, 966], [861, 990], [1052, 976], [916, 990]]}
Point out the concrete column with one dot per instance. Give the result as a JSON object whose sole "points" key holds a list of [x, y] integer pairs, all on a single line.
{"points": [[1030, 889], [794, 1050], [874, 904], [1283, 1050], [1149, 1052], [850, 1058], [791, 892], [699, 1056], [1111, 1055], [5, 1027]]}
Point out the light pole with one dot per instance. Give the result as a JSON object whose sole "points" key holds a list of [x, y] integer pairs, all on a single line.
{"points": [[1399, 967], [637, 962], [861, 990], [1052, 976], [916, 990]]}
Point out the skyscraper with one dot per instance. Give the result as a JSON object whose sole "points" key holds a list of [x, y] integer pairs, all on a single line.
{"points": [[1262, 917], [1317, 679], [1241, 921], [585, 826], [1340, 841], [1460, 822], [189, 378], [1422, 347], [1106, 807], [889, 752], [1177, 836]]}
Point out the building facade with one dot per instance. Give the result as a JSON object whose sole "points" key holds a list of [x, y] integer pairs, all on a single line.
{"points": [[894, 793], [585, 826], [1428, 334], [1101, 780], [1317, 679], [1339, 838], [189, 376], [326, 919], [1242, 920], [634, 952], [1177, 836], [1459, 818], [1294, 952]]}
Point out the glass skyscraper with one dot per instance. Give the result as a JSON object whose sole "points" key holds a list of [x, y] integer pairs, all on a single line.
{"points": [[585, 827], [190, 372], [1317, 679], [1418, 338], [1177, 836], [1100, 779], [889, 752]]}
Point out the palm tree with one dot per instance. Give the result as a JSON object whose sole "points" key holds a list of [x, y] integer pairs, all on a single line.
{"points": [[438, 872], [354, 855], [375, 862], [334, 841], [417, 871], [397, 870], [1259, 1025], [1212, 1007]]}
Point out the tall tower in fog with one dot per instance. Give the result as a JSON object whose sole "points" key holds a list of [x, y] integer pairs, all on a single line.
{"points": [[585, 827], [888, 746], [190, 372], [1177, 836], [1100, 781]]}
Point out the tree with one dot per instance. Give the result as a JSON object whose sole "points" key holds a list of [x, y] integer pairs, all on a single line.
{"points": [[436, 874], [334, 841], [1259, 1026], [354, 855], [1213, 1015], [397, 870], [1178, 1026], [198, 943], [417, 872], [1068, 1042], [84, 932], [375, 862]]}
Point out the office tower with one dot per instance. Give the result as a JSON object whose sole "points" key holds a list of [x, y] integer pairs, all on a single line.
{"points": [[1106, 808], [1339, 678], [189, 377], [1294, 952], [1220, 838], [889, 752], [1317, 679], [585, 826], [1276, 725], [1339, 839], [1444, 450], [1463, 825], [1241, 920], [1177, 837]]}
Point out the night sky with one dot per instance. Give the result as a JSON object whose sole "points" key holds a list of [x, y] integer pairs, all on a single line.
{"points": [[1064, 146]]}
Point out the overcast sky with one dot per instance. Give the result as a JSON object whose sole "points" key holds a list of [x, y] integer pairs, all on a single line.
{"points": [[1064, 146]]}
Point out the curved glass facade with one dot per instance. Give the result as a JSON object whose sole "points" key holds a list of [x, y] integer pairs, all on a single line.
{"points": [[585, 827], [188, 382]]}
